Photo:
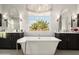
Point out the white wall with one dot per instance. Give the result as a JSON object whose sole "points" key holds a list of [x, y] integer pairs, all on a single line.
{"points": [[13, 10], [56, 10]]}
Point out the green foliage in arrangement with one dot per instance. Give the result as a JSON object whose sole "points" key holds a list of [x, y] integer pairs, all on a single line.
{"points": [[39, 25]]}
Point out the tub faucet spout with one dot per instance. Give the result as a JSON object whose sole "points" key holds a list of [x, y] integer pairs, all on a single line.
{"points": [[39, 36]]}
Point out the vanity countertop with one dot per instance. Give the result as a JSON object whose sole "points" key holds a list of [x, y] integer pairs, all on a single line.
{"points": [[11, 32], [68, 32], [14, 32]]}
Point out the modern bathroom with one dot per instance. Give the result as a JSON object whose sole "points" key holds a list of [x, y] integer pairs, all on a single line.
{"points": [[39, 29]]}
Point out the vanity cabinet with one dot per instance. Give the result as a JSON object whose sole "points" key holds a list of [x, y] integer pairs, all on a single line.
{"points": [[70, 41], [10, 41], [4, 43]]}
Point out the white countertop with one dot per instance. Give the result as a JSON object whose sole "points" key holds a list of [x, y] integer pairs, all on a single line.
{"points": [[11, 32], [68, 32]]}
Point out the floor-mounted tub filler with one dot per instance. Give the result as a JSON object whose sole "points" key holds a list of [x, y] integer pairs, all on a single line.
{"points": [[39, 45]]}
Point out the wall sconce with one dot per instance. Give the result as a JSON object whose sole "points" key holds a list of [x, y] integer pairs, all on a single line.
{"points": [[5, 16], [74, 16], [20, 17], [5, 19], [57, 17]]}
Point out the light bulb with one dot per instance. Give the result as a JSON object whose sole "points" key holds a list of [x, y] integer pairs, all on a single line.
{"points": [[5, 16]]}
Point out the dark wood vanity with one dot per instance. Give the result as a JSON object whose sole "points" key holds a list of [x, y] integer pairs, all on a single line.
{"points": [[10, 41], [70, 41]]}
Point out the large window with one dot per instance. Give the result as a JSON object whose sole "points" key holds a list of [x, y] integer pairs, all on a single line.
{"points": [[39, 17], [39, 23]]}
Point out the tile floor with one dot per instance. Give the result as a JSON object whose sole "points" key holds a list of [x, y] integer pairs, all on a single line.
{"points": [[58, 52], [10, 52], [67, 52]]}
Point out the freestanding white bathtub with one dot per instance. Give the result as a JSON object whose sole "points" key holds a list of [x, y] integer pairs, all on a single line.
{"points": [[38, 45]]}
